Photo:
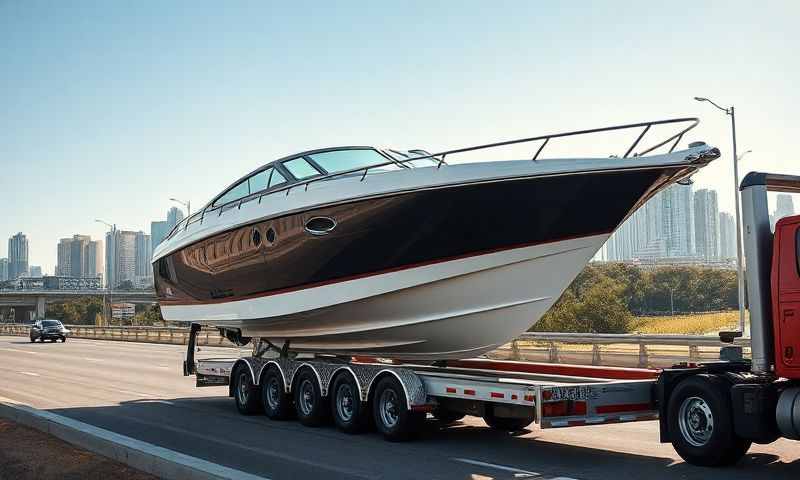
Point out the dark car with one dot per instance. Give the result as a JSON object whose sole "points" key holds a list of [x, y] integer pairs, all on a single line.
{"points": [[48, 330]]}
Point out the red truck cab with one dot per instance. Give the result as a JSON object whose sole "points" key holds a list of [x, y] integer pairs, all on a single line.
{"points": [[785, 283]]}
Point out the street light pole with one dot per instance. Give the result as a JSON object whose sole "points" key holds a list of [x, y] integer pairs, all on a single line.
{"points": [[739, 254]]}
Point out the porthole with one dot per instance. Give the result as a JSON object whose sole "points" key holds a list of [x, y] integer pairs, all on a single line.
{"points": [[256, 237], [320, 225], [271, 235]]}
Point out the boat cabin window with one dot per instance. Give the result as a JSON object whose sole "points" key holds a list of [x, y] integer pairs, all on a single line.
{"points": [[238, 191], [342, 160], [300, 168], [265, 179], [256, 183]]}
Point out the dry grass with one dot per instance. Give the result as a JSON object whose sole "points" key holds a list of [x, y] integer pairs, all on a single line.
{"points": [[693, 324]]}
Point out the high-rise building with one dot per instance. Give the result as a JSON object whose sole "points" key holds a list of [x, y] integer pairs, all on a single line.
{"points": [[120, 257], [17, 256], [144, 253], [706, 225], [79, 257], [784, 207], [174, 215], [77, 254], [3, 269], [662, 228], [727, 236], [35, 271], [158, 231], [93, 259], [64, 258]]}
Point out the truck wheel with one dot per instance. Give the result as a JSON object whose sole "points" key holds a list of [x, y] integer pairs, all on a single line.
{"points": [[33, 340], [350, 414], [245, 393], [277, 403], [311, 409], [446, 416], [700, 421], [505, 423], [392, 417]]}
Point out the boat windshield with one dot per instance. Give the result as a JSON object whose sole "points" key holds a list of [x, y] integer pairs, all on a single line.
{"points": [[343, 160]]}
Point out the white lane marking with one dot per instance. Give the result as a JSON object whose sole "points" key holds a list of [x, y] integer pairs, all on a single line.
{"points": [[89, 359], [211, 469], [20, 350], [138, 394], [518, 471], [30, 374]]}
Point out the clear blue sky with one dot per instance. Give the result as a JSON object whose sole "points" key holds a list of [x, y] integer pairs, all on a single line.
{"points": [[110, 108]]}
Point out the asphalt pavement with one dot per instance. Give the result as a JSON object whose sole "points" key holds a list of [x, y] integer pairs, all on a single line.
{"points": [[137, 389]]}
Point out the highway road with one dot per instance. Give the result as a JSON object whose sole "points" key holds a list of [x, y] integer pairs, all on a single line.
{"points": [[137, 390]]}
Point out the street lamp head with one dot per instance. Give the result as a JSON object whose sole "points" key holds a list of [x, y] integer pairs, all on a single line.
{"points": [[701, 99]]}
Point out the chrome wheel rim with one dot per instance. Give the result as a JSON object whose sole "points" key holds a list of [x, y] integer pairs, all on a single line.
{"points": [[273, 393], [306, 397], [244, 390], [696, 421], [390, 414], [345, 402]]}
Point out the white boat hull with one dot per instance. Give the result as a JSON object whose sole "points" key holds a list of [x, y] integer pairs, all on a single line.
{"points": [[453, 309]]}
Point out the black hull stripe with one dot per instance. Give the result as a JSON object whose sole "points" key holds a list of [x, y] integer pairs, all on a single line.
{"points": [[371, 274]]}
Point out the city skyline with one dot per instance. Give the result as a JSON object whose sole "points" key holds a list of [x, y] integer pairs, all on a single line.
{"points": [[128, 124]]}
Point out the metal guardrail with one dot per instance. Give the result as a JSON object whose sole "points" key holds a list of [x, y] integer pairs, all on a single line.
{"points": [[627, 350], [166, 335]]}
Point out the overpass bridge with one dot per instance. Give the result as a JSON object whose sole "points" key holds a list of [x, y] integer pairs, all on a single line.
{"points": [[31, 304]]}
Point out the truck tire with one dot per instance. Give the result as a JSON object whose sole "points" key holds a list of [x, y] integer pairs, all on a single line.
{"points": [[700, 421], [505, 423], [311, 408], [446, 416], [245, 393], [350, 414], [390, 411], [276, 402]]}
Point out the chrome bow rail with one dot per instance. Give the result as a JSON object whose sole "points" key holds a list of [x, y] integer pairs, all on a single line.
{"points": [[440, 157]]}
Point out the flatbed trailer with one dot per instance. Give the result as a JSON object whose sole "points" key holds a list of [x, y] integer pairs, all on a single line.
{"points": [[711, 412]]}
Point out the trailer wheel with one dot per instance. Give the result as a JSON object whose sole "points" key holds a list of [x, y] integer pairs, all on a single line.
{"points": [[350, 414], [445, 416], [308, 402], [392, 417], [505, 423], [277, 403], [245, 393], [700, 420]]}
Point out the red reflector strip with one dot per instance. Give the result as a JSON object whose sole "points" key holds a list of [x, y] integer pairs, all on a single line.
{"points": [[451, 390], [497, 395], [469, 392], [513, 396], [528, 398], [624, 407]]}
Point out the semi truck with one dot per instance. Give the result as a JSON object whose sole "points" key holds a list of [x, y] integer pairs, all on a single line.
{"points": [[711, 412]]}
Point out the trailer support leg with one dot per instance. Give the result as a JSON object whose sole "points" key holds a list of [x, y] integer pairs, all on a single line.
{"points": [[189, 367]]}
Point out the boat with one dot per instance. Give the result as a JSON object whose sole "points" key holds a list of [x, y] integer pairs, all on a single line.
{"points": [[405, 254]]}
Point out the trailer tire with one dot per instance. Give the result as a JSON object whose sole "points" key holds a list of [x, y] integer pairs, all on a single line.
{"points": [[276, 402], [350, 414], [505, 423], [390, 410], [245, 393], [311, 408], [700, 420]]}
